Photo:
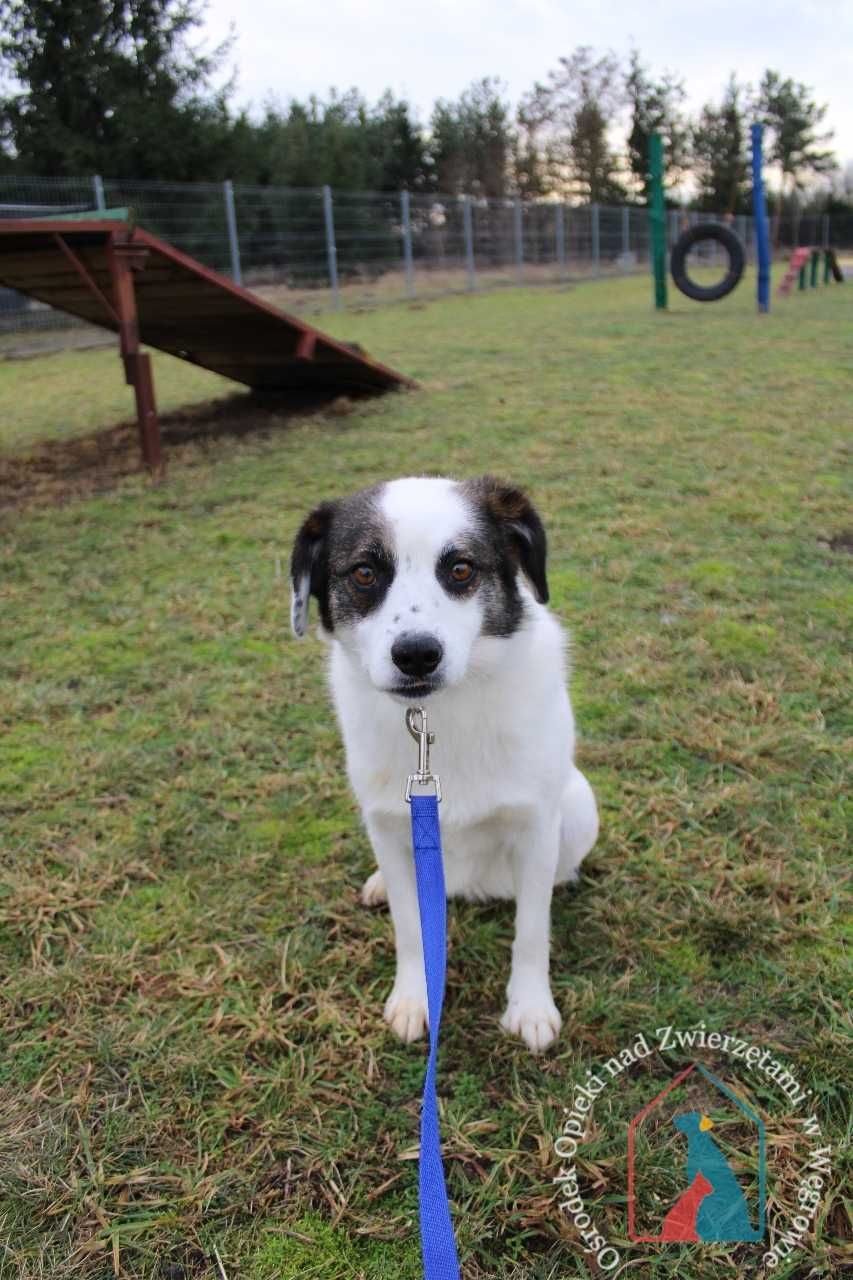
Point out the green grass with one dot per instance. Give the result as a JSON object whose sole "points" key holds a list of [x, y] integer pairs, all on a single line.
{"points": [[68, 394], [191, 1046]]}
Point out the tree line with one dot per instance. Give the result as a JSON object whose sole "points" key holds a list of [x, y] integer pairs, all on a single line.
{"points": [[118, 87]]}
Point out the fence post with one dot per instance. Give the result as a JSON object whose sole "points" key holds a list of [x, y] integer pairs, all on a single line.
{"points": [[98, 189], [468, 223], [560, 234], [519, 239], [626, 229], [233, 242], [408, 263], [596, 239], [825, 221], [331, 247]]}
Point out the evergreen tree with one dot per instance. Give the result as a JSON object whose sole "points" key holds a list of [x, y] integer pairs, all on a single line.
{"points": [[111, 86], [533, 165], [343, 142], [721, 155], [399, 147], [655, 107], [593, 161], [793, 119], [573, 114], [472, 142]]}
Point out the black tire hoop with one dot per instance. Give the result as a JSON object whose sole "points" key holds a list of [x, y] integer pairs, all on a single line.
{"points": [[733, 247]]}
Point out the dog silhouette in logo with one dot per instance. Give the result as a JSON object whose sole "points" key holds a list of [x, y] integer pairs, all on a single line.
{"points": [[713, 1207]]}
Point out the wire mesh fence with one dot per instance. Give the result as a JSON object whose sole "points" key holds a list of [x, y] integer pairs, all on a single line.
{"points": [[312, 249]]}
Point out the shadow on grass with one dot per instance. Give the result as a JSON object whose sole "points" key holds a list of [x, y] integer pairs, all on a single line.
{"points": [[60, 471]]}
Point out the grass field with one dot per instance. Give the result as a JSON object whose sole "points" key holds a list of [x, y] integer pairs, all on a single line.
{"points": [[192, 1055]]}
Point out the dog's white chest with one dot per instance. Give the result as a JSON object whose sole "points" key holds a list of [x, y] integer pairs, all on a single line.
{"points": [[503, 745]]}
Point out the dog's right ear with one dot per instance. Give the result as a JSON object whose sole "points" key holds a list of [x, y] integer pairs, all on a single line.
{"points": [[309, 568]]}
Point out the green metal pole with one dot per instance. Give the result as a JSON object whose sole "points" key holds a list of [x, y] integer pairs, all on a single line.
{"points": [[803, 276], [657, 219], [815, 261], [827, 266]]}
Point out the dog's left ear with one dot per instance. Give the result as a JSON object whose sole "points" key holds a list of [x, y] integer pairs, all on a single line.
{"points": [[309, 568], [520, 519]]}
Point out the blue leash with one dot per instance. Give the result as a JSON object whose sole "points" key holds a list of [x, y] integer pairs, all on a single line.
{"points": [[438, 1246]]}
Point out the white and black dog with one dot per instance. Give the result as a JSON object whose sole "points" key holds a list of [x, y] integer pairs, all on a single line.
{"points": [[436, 589]]}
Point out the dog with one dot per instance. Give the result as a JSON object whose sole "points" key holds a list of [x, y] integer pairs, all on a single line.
{"points": [[434, 591]]}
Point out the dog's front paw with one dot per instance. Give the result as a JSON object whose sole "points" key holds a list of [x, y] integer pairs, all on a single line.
{"points": [[406, 1013], [373, 891], [532, 1015]]}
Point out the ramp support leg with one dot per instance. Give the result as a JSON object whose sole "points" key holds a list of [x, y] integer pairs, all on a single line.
{"points": [[138, 375], [137, 364]]}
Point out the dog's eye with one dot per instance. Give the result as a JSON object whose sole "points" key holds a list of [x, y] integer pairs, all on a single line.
{"points": [[462, 571], [363, 576]]}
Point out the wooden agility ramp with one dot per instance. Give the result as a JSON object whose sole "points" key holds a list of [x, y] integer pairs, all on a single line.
{"points": [[122, 278]]}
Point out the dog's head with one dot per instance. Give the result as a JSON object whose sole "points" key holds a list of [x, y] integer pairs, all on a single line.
{"points": [[411, 575]]}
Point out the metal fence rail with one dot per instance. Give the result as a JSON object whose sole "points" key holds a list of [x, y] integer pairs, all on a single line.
{"points": [[312, 249]]}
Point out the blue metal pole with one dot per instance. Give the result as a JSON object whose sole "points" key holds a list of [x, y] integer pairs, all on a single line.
{"points": [[759, 213]]}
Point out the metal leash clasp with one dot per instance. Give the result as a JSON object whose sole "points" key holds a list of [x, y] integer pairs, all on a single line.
{"points": [[422, 736]]}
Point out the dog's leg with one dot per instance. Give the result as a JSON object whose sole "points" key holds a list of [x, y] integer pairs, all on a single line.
{"points": [[578, 826], [373, 891], [531, 1012], [406, 1007]]}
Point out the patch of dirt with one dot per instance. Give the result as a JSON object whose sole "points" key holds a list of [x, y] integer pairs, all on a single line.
{"points": [[842, 541], [61, 471]]}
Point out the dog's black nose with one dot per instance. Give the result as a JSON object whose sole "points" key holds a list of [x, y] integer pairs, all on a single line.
{"points": [[416, 653]]}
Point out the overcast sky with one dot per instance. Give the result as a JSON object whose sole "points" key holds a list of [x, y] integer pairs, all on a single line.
{"points": [[435, 49]]}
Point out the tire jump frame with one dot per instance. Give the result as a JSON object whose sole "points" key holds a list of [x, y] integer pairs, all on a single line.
{"points": [[727, 239]]}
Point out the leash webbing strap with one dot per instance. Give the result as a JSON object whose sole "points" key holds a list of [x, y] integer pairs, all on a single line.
{"points": [[438, 1245]]}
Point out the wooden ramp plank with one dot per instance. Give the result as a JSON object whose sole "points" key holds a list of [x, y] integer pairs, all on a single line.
{"points": [[128, 281]]}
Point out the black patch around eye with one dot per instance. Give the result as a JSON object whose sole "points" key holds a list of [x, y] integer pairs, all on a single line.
{"points": [[487, 545], [331, 541], [349, 599]]}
